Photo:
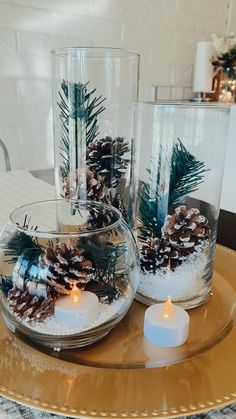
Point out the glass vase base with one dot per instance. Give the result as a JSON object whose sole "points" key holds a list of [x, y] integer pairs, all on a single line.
{"points": [[187, 304], [56, 343]]}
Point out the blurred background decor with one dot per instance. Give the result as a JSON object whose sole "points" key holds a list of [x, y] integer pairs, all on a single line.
{"points": [[224, 63]]}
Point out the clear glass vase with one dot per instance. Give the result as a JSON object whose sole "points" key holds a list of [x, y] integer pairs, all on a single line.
{"points": [[182, 148], [93, 92], [66, 286]]}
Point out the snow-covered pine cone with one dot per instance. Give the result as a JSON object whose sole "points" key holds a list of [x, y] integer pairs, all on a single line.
{"points": [[28, 306], [66, 266], [84, 185], [186, 229], [105, 156], [99, 218], [159, 253]]}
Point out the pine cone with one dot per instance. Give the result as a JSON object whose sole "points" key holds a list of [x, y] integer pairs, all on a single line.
{"points": [[119, 204], [84, 185], [105, 156], [66, 266], [99, 219], [186, 229], [29, 306], [159, 253]]}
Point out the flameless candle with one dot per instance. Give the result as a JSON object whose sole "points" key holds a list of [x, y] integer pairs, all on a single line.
{"points": [[79, 309], [166, 324]]}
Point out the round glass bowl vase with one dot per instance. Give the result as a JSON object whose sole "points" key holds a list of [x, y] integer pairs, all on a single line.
{"points": [[182, 149], [66, 284], [93, 93]]}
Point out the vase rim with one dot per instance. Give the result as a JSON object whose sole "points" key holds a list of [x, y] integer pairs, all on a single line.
{"points": [[185, 104], [58, 234], [96, 52]]}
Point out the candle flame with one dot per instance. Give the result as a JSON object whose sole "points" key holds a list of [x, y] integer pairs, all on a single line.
{"points": [[75, 294], [167, 310]]}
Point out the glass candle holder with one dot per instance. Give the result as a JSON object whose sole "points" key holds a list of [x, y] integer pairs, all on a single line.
{"points": [[182, 148], [93, 92], [66, 285]]}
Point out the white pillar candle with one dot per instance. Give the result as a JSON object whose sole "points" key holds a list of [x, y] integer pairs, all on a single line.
{"points": [[166, 324], [203, 70], [77, 310]]}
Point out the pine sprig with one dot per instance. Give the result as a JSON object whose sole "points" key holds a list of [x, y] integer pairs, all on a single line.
{"points": [[187, 173], [148, 209], [84, 107], [21, 244], [5, 284], [105, 258]]}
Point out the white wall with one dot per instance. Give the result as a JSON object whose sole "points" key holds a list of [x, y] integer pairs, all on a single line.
{"points": [[165, 32]]}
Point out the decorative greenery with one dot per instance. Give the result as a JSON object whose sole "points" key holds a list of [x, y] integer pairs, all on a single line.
{"points": [[148, 209], [226, 62], [105, 259], [186, 174], [225, 57], [5, 284], [104, 291], [22, 244], [84, 111]]}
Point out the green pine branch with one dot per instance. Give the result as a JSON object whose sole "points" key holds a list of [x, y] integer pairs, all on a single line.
{"points": [[21, 244], [149, 209], [5, 284], [105, 258], [187, 173], [84, 107]]}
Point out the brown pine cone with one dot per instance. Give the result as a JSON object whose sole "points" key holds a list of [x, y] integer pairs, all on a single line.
{"points": [[28, 306], [100, 218], [186, 230], [159, 253], [66, 266], [105, 156], [118, 203], [84, 185]]}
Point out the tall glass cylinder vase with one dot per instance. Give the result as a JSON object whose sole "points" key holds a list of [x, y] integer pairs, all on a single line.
{"points": [[182, 148], [93, 92]]}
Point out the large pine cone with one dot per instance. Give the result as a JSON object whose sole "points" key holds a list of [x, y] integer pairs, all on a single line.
{"points": [[159, 253], [105, 156], [186, 229], [28, 306], [84, 185], [66, 266]]}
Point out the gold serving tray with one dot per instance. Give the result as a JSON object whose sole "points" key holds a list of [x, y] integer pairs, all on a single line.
{"points": [[124, 376]]}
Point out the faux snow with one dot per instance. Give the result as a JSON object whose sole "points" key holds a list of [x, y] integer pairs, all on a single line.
{"points": [[184, 283], [51, 327]]}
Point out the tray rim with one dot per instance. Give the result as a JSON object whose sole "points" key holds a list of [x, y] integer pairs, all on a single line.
{"points": [[77, 412]]}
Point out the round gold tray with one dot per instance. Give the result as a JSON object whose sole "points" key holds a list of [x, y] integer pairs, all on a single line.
{"points": [[124, 376]]}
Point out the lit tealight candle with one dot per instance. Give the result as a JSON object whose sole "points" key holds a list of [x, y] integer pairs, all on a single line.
{"points": [[166, 324], [79, 309]]}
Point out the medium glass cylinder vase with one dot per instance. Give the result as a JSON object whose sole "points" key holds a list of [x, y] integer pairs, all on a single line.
{"points": [[182, 148], [93, 93]]}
